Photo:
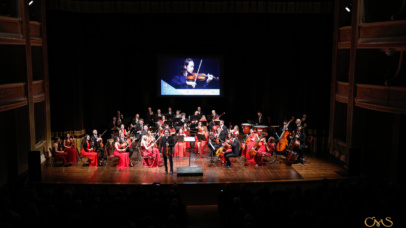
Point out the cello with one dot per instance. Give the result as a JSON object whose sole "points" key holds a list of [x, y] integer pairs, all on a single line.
{"points": [[283, 141]]}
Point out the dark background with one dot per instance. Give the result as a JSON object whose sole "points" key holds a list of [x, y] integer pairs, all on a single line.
{"points": [[101, 63]]}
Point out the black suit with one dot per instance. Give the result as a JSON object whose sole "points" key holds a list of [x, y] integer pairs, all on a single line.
{"points": [[235, 146], [162, 149], [99, 149], [223, 133], [111, 126], [260, 120], [140, 128]]}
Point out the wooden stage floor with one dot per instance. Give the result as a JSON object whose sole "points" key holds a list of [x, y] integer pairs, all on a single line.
{"points": [[318, 169]]}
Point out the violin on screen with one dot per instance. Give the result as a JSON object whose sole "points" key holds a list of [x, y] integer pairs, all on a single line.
{"points": [[200, 76]]}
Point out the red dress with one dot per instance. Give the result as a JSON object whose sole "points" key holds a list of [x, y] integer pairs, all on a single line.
{"points": [[203, 143], [248, 147], [124, 157], [93, 157], [180, 149], [262, 152], [123, 131], [72, 152], [151, 151]]}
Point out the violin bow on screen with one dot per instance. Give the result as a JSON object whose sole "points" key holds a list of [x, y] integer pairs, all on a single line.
{"points": [[201, 60]]}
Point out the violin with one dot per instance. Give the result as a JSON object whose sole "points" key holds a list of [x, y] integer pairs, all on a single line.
{"points": [[256, 147], [168, 151], [199, 76]]}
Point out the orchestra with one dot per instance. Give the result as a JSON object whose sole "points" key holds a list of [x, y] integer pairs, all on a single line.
{"points": [[155, 138]]}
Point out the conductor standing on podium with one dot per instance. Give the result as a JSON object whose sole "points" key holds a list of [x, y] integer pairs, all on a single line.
{"points": [[167, 143]]}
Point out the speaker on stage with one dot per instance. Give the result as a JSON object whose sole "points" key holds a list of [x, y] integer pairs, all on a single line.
{"points": [[34, 166]]}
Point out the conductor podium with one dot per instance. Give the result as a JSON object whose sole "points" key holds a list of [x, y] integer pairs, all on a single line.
{"points": [[189, 170]]}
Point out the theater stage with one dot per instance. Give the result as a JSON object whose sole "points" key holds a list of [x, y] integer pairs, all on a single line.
{"points": [[240, 172]]}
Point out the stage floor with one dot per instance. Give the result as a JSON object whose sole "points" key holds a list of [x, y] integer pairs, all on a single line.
{"points": [[239, 173]]}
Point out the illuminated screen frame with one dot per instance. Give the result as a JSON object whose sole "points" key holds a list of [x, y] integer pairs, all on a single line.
{"points": [[213, 64]]}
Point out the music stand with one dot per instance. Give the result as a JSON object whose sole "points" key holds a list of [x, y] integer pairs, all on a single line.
{"points": [[201, 137], [190, 139], [211, 161], [178, 138]]}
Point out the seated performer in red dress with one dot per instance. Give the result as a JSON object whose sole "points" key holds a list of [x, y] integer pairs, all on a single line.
{"points": [[253, 138], [235, 131], [120, 152], [202, 144], [69, 145], [148, 149], [180, 147], [122, 130], [267, 149], [88, 151], [58, 151]]}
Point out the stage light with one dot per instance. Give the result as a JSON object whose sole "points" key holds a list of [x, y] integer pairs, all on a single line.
{"points": [[30, 3], [348, 7]]}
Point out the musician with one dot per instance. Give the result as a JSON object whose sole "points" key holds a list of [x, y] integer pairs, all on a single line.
{"points": [[193, 123], [215, 141], [59, 151], [88, 151], [139, 128], [69, 147], [120, 152], [201, 144], [183, 118], [135, 121], [180, 82], [122, 130], [301, 136], [113, 126], [96, 144], [266, 149], [180, 147], [170, 113], [167, 142], [118, 115], [127, 145], [235, 149], [223, 131], [250, 142], [148, 149], [158, 112], [214, 117], [148, 115], [178, 115], [260, 120], [235, 131], [203, 118], [199, 111]]}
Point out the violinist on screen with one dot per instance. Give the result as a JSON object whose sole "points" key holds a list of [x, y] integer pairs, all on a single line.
{"points": [[180, 81]]}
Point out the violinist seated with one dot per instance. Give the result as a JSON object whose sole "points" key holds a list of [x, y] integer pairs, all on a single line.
{"points": [[148, 149], [234, 151], [120, 152], [266, 150], [126, 143], [96, 144], [202, 130], [58, 151], [69, 147], [185, 79]]}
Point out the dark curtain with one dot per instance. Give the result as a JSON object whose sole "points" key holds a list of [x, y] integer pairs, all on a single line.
{"points": [[100, 63]]}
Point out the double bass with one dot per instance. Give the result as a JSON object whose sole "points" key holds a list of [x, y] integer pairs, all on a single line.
{"points": [[283, 141]]}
